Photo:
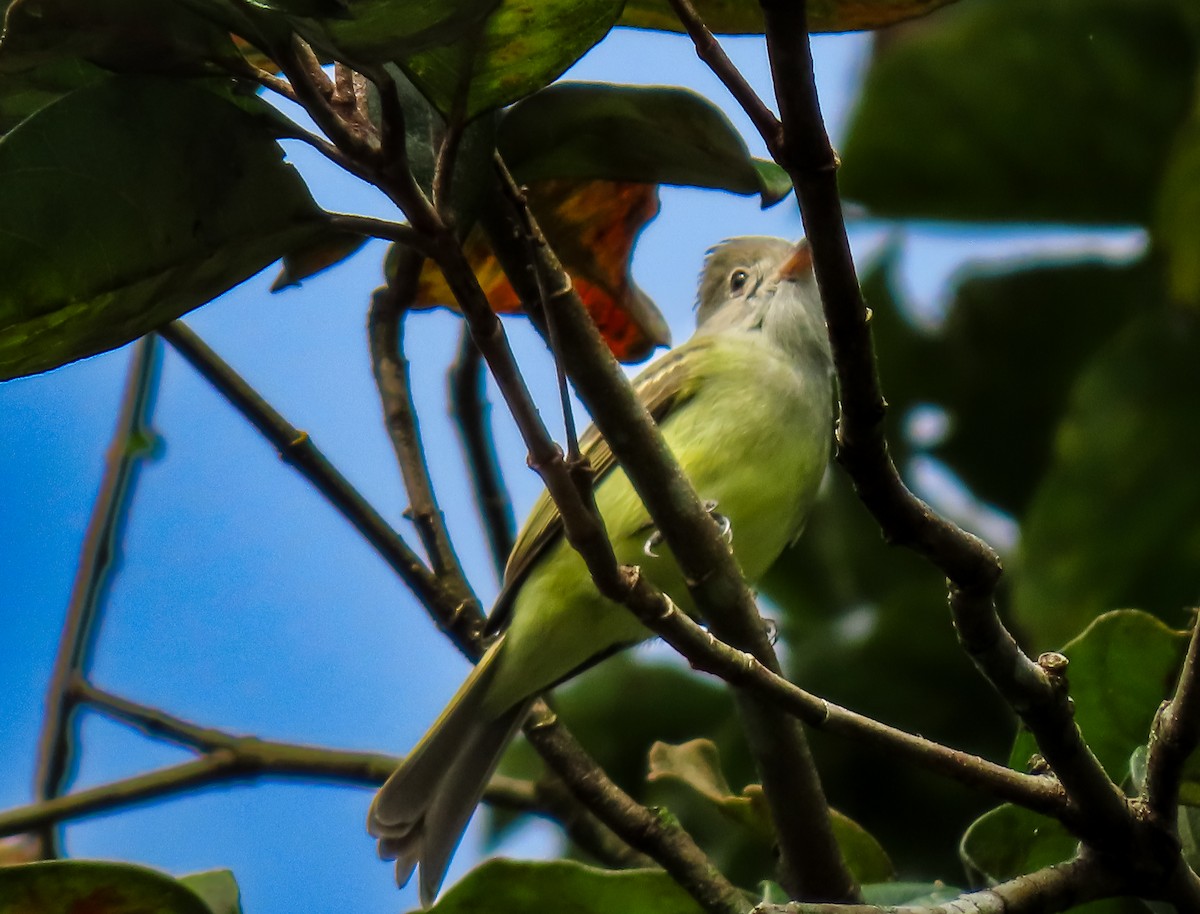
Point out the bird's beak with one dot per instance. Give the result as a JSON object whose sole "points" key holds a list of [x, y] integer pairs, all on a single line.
{"points": [[798, 265]]}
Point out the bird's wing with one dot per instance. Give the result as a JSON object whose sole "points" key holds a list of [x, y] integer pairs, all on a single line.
{"points": [[662, 387]]}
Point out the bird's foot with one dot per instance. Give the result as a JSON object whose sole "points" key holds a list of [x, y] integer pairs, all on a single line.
{"points": [[654, 540]]}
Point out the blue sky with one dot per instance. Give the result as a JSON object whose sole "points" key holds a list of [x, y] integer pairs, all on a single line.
{"points": [[242, 600]]}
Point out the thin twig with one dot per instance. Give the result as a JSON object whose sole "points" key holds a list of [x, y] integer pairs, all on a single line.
{"points": [[471, 411], [100, 552], [811, 863], [1175, 736], [385, 331], [657, 836], [443, 169], [297, 449], [710, 51], [380, 228]]}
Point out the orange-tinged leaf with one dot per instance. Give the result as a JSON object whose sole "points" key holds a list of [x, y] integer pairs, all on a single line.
{"points": [[592, 226]]}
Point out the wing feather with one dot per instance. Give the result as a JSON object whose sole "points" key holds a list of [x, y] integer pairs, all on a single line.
{"points": [[661, 388]]}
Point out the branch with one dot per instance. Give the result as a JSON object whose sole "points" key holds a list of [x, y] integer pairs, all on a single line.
{"points": [[296, 448], [710, 51], [1174, 737], [653, 834], [811, 864], [381, 228], [470, 408], [710, 655], [385, 330], [1054, 888], [1037, 694], [100, 552]]}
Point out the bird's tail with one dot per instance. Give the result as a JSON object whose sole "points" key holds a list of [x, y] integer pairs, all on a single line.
{"points": [[420, 813]]}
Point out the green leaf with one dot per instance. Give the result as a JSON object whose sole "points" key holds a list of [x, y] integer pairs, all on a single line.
{"points": [[516, 50], [1177, 221], [177, 195], [1116, 520], [128, 36], [910, 894], [325, 251], [744, 17], [656, 135], [1004, 411], [1010, 841], [513, 887], [1121, 668], [945, 128], [217, 888], [697, 766], [74, 886], [376, 31]]}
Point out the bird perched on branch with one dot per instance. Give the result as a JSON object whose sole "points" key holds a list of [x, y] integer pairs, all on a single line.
{"points": [[746, 407]]}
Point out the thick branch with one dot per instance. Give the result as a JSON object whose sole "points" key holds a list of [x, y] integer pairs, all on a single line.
{"points": [[99, 553], [1175, 736], [385, 330], [470, 408], [811, 863], [296, 448], [1054, 888], [971, 565]]}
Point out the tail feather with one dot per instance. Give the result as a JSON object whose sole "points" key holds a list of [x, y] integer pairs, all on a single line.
{"points": [[421, 811]]}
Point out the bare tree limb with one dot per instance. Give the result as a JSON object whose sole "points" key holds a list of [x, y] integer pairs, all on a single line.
{"points": [[99, 554], [470, 408], [1175, 736], [1054, 888], [385, 331]]}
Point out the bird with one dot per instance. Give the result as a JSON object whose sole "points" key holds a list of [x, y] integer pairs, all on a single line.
{"points": [[746, 406]]}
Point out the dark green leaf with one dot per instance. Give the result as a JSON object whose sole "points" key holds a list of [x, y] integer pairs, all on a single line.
{"points": [[177, 195], [744, 17], [516, 50], [325, 251], [514, 887], [217, 888], [1121, 668], [1116, 520], [74, 886], [21, 94], [1177, 222], [655, 135], [384, 30], [1024, 110], [1004, 363], [1009, 841], [128, 36], [911, 894]]}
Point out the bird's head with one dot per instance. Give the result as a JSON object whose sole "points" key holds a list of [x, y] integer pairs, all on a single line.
{"points": [[765, 284]]}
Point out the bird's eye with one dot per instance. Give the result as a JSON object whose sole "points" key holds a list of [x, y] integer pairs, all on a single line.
{"points": [[737, 281]]}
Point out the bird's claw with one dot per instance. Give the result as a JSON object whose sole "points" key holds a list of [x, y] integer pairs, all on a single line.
{"points": [[723, 526]]}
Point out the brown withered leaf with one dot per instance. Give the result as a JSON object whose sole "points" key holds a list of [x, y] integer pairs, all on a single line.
{"points": [[592, 226]]}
